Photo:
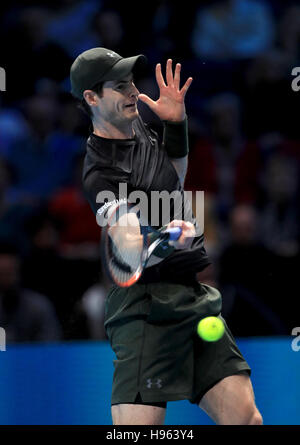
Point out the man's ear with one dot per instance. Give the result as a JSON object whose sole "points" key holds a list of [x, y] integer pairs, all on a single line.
{"points": [[90, 97]]}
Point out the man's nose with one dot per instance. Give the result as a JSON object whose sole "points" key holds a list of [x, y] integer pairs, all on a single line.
{"points": [[134, 92]]}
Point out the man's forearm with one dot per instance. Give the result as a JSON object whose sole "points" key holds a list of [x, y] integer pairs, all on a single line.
{"points": [[180, 165], [175, 141], [175, 138]]}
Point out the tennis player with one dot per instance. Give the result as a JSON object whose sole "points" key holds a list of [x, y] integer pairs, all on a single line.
{"points": [[151, 325]]}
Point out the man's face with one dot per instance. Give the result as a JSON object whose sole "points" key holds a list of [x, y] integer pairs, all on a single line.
{"points": [[118, 103]]}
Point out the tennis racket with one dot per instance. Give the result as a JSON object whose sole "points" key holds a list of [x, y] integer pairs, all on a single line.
{"points": [[127, 244]]}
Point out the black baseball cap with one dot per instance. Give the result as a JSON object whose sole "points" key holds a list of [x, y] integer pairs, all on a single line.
{"points": [[98, 65]]}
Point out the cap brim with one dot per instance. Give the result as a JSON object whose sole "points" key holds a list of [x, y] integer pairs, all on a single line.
{"points": [[124, 67]]}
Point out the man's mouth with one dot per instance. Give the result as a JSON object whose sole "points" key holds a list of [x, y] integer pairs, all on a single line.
{"points": [[131, 105]]}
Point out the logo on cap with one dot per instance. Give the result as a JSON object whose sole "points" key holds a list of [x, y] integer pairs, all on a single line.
{"points": [[110, 54]]}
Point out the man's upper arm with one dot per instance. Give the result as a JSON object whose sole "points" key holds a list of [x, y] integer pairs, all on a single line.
{"points": [[102, 191]]}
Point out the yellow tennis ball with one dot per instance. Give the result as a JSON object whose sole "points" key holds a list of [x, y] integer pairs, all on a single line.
{"points": [[210, 328]]}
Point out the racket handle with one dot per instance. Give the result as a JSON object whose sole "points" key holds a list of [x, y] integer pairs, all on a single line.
{"points": [[174, 233]]}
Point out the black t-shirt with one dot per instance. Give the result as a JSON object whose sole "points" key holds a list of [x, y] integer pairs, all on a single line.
{"points": [[143, 164]]}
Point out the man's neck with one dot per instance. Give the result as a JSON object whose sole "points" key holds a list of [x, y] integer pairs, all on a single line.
{"points": [[110, 131]]}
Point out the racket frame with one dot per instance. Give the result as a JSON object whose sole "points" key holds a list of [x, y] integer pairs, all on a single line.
{"points": [[147, 249]]}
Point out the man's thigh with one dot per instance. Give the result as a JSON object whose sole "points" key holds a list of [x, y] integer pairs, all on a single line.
{"points": [[135, 414], [214, 361], [231, 402]]}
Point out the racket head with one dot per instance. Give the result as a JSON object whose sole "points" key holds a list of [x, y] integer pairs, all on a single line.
{"points": [[124, 245]]}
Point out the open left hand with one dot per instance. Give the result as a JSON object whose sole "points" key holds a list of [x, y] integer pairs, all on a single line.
{"points": [[170, 105]]}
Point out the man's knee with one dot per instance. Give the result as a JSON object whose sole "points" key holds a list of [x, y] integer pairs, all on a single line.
{"points": [[250, 415], [256, 418]]}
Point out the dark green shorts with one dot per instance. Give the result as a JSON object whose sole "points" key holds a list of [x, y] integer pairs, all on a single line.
{"points": [[152, 330]]}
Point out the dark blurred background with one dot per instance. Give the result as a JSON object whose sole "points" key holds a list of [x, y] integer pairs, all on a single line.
{"points": [[244, 153]]}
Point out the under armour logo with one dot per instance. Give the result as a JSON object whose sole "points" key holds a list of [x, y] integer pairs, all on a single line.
{"points": [[157, 383], [110, 54]]}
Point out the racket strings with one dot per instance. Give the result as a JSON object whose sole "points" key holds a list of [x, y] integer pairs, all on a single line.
{"points": [[117, 258]]}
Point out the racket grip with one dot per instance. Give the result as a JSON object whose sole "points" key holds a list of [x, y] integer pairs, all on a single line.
{"points": [[174, 233]]}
